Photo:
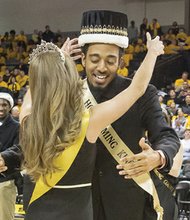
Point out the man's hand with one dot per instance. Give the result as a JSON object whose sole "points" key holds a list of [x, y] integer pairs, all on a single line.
{"points": [[138, 164], [2, 165], [72, 48], [154, 45]]}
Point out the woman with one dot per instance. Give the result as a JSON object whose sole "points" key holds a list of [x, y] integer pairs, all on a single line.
{"points": [[58, 136]]}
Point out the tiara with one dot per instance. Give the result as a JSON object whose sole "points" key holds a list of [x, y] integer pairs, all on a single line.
{"points": [[43, 48]]}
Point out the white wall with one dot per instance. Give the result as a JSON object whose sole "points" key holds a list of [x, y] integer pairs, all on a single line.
{"points": [[65, 15]]}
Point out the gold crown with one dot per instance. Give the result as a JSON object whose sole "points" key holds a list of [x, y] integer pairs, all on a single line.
{"points": [[104, 30], [43, 48]]}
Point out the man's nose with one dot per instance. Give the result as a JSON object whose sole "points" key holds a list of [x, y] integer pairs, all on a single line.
{"points": [[102, 66]]}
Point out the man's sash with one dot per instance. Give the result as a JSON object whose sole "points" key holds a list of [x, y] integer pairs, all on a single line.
{"points": [[63, 161], [118, 150]]}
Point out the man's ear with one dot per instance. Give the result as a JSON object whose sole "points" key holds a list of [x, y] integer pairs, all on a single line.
{"points": [[120, 60], [83, 59]]}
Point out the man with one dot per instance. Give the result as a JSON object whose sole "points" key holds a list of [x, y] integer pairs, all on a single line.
{"points": [[186, 105], [186, 144], [9, 156], [103, 34], [48, 35], [179, 82]]}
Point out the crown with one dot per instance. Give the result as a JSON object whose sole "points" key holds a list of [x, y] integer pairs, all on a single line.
{"points": [[43, 48], [103, 26]]}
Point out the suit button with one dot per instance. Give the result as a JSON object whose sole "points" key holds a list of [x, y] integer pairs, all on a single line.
{"points": [[100, 173]]}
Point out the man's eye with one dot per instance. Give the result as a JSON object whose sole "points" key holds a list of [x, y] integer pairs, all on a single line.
{"points": [[110, 62], [94, 60]]}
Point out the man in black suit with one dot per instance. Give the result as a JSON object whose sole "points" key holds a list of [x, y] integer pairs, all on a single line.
{"points": [[10, 156], [115, 197]]}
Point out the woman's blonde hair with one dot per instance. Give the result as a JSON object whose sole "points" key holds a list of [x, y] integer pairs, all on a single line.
{"points": [[57, 107]]}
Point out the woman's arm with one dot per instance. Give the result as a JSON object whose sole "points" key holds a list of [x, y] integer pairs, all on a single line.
{"points": [[107, 112]]}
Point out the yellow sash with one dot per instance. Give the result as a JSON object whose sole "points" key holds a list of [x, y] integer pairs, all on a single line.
{"points": [[64, 161]]}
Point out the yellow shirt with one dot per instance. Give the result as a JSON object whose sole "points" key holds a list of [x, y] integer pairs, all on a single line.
{"points": [[3, 84], [21, 38], [123, 72], [140, 48], [127, 58], [179, 82], [170, 37], [2, 60], [188, 40], [14, 87], [79, 67], [182, 36], [171, 49], [129, 49], [22, 80], [187, 125], [11, 54], [2, 73], [1, 49]]}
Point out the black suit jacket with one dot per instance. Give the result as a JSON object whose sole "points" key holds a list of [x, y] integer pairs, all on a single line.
{"points": [[114, 197]]}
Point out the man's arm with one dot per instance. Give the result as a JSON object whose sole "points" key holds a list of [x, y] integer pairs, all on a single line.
{"points": [[164, 141], [160, 134], [10, 160], [2, 165]]}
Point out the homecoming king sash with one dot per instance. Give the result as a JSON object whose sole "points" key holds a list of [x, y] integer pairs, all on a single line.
{"points": [[118, 150], [63, 161]]}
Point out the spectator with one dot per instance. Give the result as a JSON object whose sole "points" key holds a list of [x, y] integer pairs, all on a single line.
{"points": [[19, 103], [171, 97], [132, 32], [22, 78], [184, 78], [15, 113], [179, 122], [186, 144], [22, 37], [14, 87], [122, 70], [3, 83], [172, 109], [186, 106], [7, 75], [35, 37], [182, 36], [9, 160], [144, 27], [155, 28], [175, 28], [48, 35], [170, 36]]}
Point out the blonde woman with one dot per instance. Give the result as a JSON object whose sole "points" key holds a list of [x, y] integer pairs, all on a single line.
{"points": [[58, 136]]}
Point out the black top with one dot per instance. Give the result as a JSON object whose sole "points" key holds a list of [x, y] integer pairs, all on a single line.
{"points": [[114, 196], [9, 149], [67, 204]]}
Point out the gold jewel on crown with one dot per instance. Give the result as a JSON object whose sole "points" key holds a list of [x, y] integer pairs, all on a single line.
{"points": [[104, 30], [45, 47]]}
